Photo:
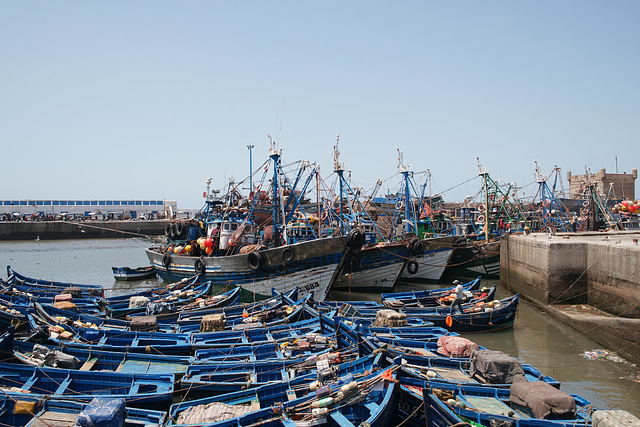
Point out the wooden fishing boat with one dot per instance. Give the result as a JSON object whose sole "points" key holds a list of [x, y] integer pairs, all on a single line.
{"points": [[479, 317], [15, 277], [462, 372], [24, 304], [10, 316], [311, 269], [486, 406], [429, 294], [110, 339], [363, 400], [211, 377], [165, 343], [30, 411], [160, 303], [96, 360], [278, 314], [38, 291], [260, 335], [137, 389], [139, 273], [161, 291], [310, 343], [476, 257], [235, 310]]}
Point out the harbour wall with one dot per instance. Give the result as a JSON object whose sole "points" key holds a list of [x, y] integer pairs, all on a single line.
{"points": [[52, 230], [589, 281]]}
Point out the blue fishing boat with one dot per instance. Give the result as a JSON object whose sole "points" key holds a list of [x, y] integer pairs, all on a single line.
{"points": [[30, 411], [128, 273], [17, 278], [167, 302], [429, 294], [478, 317], [217, 377], [24, 304], [464, 372], [110, 339], [487, 406], [18, 289], [97, 360], [137, 389], [346, 401]]}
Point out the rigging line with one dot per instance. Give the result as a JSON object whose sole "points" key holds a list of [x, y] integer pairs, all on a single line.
{"points": [[456, 186]]}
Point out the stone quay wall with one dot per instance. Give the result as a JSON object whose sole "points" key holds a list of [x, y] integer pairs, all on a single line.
{"points": [[599, 270], [52, 230]]}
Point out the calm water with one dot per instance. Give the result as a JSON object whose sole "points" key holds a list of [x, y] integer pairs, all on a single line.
{"points": [[555, 349]]}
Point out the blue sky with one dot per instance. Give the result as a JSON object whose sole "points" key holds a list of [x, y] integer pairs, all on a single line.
{"points": [[148, 99]]}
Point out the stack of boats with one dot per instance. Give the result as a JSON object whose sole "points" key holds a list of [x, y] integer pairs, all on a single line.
{"points": [[182, 356]]}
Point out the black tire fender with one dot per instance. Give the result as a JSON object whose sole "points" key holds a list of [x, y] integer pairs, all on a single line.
{"points": [[288, 254], [180, 229], [255, 260], [167, 230], [355, 238], [166, 261], [416, 246], [200, 266], [412, 267]]}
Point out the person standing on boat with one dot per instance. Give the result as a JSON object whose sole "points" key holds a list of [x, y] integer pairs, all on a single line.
{"points": [[459, 296]]}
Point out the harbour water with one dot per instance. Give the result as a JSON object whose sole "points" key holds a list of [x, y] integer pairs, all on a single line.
{"points": [[556, 349]]}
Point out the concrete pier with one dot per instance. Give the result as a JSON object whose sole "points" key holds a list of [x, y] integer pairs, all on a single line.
{"points": [[52, 230], [588, 280]]}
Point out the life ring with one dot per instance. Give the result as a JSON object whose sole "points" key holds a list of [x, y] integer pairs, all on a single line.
{"points": [[355, 238], [255, 260], [547, 215], [585, 203], [166, 261], [416, 246], [480, 218], [412, 267], [546, 203], [287, 254], [200, 266], [481, 208]]}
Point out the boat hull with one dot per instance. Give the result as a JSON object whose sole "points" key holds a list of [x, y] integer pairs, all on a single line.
{"points": [[431, 265], [470, 260], [376, 268], [310, 268]]}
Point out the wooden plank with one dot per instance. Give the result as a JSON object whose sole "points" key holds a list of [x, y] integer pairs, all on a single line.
{"points": [[490, 405], [89, 364], [54, 419]]}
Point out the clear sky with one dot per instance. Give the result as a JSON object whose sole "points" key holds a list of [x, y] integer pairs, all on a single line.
{"points": [[148, 99]]}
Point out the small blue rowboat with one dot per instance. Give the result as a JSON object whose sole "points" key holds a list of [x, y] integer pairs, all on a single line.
{"points": [[128, 273]]}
